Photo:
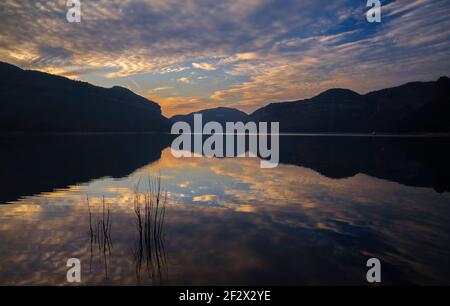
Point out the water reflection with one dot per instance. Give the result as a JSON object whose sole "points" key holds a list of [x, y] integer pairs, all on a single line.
{"points": [[32, 165], [313, 220], [418, 162]]}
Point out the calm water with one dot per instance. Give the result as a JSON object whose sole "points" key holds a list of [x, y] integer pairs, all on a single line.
{"points": [[333, 203]]}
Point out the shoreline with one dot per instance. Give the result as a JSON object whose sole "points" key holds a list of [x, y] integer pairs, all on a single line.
{"points": [[306, 134]]}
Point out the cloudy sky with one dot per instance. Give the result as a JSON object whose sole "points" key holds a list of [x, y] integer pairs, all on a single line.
{"points": [[194, 54]]}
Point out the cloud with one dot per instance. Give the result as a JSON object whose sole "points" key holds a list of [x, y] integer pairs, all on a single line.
{"points": [[185, 80], [204, 66], [239, 57], [142, 36], [173, 69], [205, 198], [158, 89]]}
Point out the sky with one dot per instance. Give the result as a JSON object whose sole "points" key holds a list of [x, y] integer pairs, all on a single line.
{"points": [[189, 55]]}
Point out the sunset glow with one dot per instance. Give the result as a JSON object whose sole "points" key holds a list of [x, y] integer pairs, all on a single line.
{"points": [[236, 53]]}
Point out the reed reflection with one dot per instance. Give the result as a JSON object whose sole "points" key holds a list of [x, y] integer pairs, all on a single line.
{"points": [[100, 235], [150, 211]]}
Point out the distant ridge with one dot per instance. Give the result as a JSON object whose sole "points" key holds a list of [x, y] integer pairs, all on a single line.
{"points": [[338, 94], [418, 107], [32, 101], [219, 114]]}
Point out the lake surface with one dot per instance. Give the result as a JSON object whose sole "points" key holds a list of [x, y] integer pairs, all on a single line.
{"points": [[331, 204]]}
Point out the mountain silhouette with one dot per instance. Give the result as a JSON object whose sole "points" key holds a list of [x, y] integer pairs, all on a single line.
{"points": [[219, 114], [32, 101], [35, 102], [413, 107]]}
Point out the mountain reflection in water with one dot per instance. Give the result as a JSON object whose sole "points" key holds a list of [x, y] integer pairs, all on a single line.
{"points": [[332, 203]]}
